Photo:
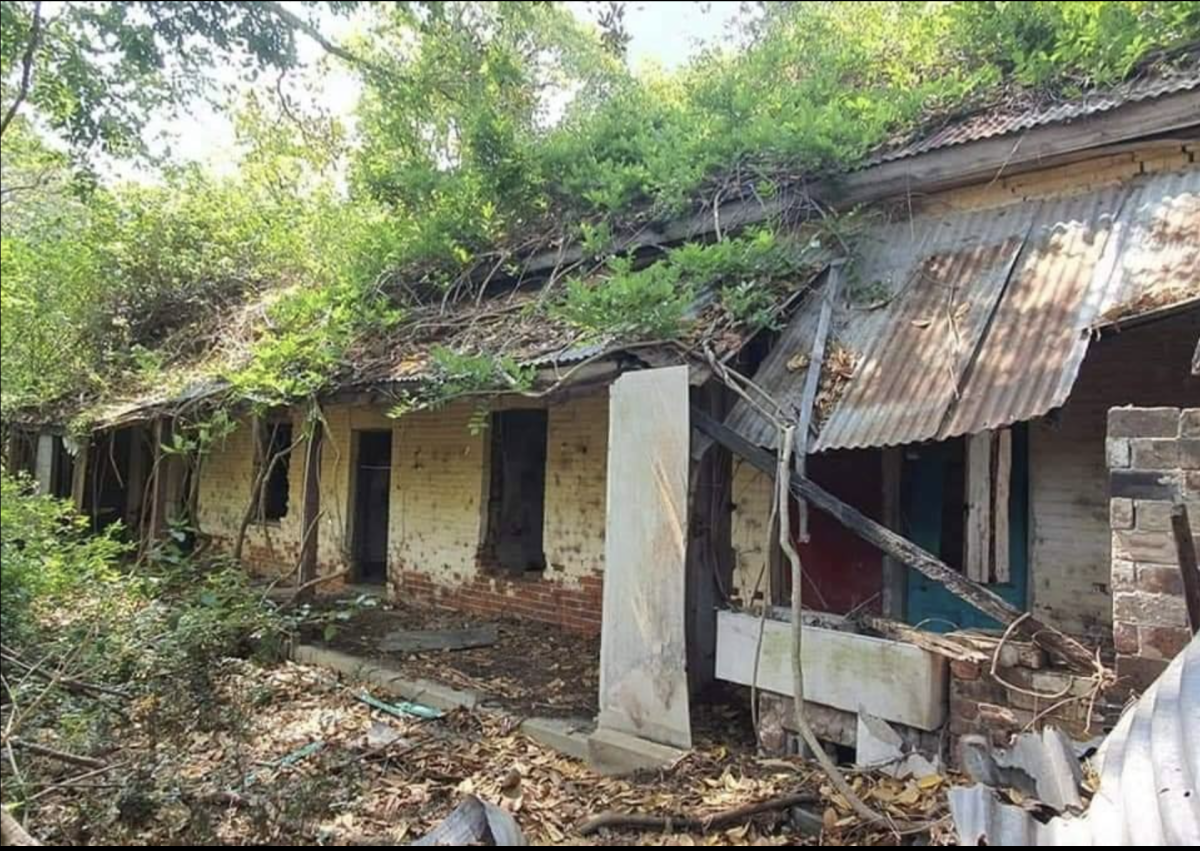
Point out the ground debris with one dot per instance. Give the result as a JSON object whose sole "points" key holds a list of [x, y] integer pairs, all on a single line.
{"points": [[371, 784], [527, 667]]}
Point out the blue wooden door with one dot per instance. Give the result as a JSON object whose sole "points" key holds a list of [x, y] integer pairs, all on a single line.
{"points": [[932, 489]]}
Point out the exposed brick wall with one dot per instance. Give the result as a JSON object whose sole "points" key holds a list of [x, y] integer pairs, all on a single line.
{"points": [[576, 608], [439, 479], [1154, 460], [1070, 545], [226, 479], [1025, 694]]}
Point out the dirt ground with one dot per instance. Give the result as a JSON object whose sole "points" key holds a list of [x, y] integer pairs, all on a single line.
{"points": [[533, 669], [285, 755]]}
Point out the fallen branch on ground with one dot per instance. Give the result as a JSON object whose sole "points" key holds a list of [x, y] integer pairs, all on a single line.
{"points": [[77, 686], [11, 833], [717, 821], [310, 584], [55, 753]]}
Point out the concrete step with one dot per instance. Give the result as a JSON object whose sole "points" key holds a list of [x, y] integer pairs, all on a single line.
{"points": [[386, 678], [568, 736], [615, 753]]}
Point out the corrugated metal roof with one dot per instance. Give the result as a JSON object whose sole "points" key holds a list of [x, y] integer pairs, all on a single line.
{"points": [[1005, 120], [987, 313]]}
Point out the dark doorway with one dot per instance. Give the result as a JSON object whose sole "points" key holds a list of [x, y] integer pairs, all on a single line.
{"points": [[371, 505], [517, 490], [62, 469], [108, 494], [276, 450]]}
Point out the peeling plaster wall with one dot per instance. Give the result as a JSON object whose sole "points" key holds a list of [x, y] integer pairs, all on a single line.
{"points": [[436, 507]]}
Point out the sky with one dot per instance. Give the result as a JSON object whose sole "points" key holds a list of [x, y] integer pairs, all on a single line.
{"points": [[662, 33]]}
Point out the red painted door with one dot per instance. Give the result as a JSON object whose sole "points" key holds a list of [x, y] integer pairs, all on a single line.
{"points": [[843, 573]]}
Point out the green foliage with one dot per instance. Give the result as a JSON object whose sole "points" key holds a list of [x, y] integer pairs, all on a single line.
{"points": [[641, 304], [750, 272], [69, 592], [486, 130], [102, 70], [45, 551], [457, 374], [750, 305]]}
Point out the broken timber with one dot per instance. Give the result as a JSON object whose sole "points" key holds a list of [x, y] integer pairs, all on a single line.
{"points": [[902, 549], [812, 383], [1185, 547]]}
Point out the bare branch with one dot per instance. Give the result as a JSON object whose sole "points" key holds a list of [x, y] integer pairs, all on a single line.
{"points": [[35, 38]]}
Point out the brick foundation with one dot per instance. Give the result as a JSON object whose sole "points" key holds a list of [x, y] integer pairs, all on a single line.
{"points": [[1025, 695], [1154, 462], [577, 609]]}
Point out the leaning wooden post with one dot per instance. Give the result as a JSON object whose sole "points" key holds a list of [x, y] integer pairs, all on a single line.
{"points": [[904, 550], [1185, 546], [157, 519]]}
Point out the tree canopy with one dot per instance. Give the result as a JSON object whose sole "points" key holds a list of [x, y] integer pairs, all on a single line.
{"points": [[486, 132]]}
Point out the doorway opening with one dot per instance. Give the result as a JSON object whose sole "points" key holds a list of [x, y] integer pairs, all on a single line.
{"points": [[517, 491], [372, 500]]}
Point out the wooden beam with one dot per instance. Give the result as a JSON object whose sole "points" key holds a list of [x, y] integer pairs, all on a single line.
{"points": [[1001, 557], [812, 383], [79, 474], [157, 520], [978, 549], [312, 506], [1185, 546], [904, 550], [894, 574]]}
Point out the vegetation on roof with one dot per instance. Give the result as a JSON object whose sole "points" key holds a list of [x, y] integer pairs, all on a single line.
{"points": [[487, 133]]}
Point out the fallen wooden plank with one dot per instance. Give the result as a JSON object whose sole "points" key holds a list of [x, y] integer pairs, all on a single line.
{"points": [[932, 642], [431, 640], [1068, 650]]}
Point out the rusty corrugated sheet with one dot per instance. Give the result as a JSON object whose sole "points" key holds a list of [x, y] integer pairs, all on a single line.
{"points": [[1150, 765], [985, 315], [1003, 121], [1149, 769]]}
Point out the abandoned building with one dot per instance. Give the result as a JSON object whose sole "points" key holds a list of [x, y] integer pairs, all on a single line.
{"points": [[1005, 376]]}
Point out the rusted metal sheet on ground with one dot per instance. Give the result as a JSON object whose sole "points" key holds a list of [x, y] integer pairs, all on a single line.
{"points": [[968, 322], [1149, 769], [643, 656]]}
